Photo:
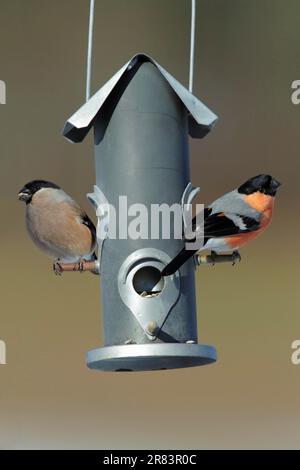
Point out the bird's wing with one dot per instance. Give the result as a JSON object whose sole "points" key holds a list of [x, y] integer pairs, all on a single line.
{"points": [[87, 221], [225, 224], [228, 215], [82, 216]]}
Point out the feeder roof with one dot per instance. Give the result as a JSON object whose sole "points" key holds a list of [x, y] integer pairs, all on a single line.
{"points": [[201, 118]]}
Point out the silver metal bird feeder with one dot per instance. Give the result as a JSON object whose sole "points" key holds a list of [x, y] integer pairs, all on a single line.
{"points": [[142, 118]]}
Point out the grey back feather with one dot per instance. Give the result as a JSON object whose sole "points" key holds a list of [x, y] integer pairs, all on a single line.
{"points": [[234, 203]]}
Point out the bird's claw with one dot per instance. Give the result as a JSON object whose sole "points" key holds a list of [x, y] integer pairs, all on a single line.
{"points": [[79, 266], [57, 269], [213, 256], [236, 257]]}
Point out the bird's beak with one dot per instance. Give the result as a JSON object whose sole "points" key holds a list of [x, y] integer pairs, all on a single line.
{"points": [[275, 184], [24, 195]]}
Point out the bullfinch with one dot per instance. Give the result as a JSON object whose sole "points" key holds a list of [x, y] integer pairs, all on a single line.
{"points": [[57, 225], [233, 220]]}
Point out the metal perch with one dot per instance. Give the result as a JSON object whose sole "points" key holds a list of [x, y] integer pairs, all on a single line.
{"points": [[200, 260], [215, 258], [77, 267]]}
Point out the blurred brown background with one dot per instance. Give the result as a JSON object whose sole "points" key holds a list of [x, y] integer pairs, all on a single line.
{"points": [[247, 55]]}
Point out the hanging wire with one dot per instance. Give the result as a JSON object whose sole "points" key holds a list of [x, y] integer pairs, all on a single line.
{"points": [[90, 51], [192, 47], [90, 47]]}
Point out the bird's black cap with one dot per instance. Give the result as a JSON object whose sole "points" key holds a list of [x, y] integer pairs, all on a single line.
{"points": [[265, 184], [30, 188]]}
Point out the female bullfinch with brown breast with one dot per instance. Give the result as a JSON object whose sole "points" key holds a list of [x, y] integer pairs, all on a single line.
{"points": [[57, 225]]}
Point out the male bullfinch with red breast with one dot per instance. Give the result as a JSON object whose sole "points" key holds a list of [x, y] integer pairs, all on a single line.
{"points": [[57, 225], [233, 220]]}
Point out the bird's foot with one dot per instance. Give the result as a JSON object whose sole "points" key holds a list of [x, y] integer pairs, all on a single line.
{"points": [[57, 269], [236, 257], [79, 266], [213, 257]]}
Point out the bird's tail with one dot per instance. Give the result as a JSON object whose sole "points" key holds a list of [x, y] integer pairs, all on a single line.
{"points": [[94, 257], [178, 261]]}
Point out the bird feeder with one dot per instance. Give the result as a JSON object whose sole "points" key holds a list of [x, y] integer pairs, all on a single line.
{"points": [[142, 118]]}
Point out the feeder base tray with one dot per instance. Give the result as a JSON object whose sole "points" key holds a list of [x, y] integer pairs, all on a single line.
{"points": [[142, 357]]}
